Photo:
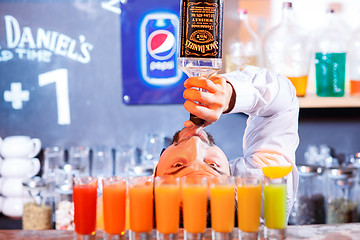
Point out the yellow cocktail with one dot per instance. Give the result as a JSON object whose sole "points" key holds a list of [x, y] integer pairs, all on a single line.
{"points": [[222, 204]]}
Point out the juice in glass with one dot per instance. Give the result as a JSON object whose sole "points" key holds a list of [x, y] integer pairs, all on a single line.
{"points": [[167, 204], [249, 207], [114, 204], [300, 84], [330, 74], [275, 205], [84, 198], [222, 205], [141, 204], [355, 87], [194, 199]]}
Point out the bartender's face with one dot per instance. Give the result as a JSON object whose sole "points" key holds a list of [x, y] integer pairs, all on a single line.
{"points": [[192, 152]]}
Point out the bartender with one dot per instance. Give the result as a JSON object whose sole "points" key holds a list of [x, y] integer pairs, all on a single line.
{"points": [[271, 133]]}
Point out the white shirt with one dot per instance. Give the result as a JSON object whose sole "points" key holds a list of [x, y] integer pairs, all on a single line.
{"points": [[271, 134]]}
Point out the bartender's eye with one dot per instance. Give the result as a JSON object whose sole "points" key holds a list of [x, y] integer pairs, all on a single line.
{"points": [[178, 164], [212, 164]]}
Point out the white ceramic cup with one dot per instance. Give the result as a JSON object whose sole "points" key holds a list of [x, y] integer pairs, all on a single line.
{"points": [[20, 167], [12, 187], [13, 207], [20, 147]]}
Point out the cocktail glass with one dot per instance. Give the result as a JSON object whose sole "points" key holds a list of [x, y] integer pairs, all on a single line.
{"points": [[141, 207], [114, 207], [249, 189], [222, 206], [167, 207], [194, 193], [275, 208], [84, 198]]}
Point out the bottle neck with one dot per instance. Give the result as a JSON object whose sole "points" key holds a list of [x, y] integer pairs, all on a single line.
{"points": [[287, 14]]}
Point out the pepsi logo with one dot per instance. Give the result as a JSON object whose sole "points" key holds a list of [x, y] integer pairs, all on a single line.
{"points": [[161, 44]]}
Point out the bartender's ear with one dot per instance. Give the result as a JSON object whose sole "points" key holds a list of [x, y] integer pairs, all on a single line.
{"points": [[155, 170], [162, 151]]}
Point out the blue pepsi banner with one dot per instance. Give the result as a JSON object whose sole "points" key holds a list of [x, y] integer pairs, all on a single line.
{"points": [[149, 40]]}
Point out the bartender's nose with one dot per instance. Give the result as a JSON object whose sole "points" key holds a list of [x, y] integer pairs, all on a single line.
{"points": [[195, 149]]}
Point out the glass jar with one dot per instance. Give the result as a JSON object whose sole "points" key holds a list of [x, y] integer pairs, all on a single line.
{"points": [[39, 206], [309, 207], [342, 206]]}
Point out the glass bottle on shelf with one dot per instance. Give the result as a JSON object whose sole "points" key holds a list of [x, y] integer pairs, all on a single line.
{"points": [[244, 45], [286, 50], [330, 58], [354, 62]]}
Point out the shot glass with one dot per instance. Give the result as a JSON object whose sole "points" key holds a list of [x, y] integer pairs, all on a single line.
{"points": [[222, 206], [114, 207], [79, 160], [84, 198], [249, 189], [194, 193], [275, 208], [167, 207], [141, 207]]}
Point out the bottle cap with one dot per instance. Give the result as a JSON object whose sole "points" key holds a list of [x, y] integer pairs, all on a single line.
{"points": [[242, 11], [342, 172], [287, 5], [309, 170]]}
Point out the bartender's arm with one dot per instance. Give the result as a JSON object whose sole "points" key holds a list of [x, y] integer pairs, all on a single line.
{"points": [[271, 135]]}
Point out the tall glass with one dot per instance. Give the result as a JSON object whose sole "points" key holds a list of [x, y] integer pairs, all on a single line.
{"points": [[141, 207], [275, 208], [194, 200], [167, 207], [249, 191], [222, 206], [114, 207], [84, 198]]}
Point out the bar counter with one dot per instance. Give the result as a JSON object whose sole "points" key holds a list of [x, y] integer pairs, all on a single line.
{"points": [[349, 231]]}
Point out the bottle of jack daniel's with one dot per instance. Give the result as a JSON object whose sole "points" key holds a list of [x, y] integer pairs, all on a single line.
{"points": [[200, 50]]}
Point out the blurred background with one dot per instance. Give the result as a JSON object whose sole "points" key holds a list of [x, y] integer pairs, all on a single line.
{"points": [[76, 75]]}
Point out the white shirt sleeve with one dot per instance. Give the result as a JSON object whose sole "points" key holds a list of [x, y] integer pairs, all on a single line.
{"points": [[271, 135]]}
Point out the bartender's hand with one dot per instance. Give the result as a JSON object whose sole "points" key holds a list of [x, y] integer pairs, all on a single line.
{"points": [[211, 103]]}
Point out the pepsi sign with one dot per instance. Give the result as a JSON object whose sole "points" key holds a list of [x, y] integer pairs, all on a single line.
{"points": [[159, 34], [150, 71]]}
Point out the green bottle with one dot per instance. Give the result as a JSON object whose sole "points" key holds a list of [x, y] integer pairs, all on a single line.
{"points": [[330, 58]]}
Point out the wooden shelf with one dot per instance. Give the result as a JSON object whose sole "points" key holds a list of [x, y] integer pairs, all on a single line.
{"points": [[312, 101]]}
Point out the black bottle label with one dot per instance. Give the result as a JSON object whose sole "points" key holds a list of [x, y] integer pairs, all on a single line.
{"points": [[201, 28]]}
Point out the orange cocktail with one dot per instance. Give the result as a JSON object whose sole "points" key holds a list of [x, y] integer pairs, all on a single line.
{"points": [[222, 204], [141, 204], [194, 199], [249, 203], [84, 198], [114, 205], [167, 204]]}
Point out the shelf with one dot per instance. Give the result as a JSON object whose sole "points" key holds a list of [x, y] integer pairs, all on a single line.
{"points": [[312, 101]]}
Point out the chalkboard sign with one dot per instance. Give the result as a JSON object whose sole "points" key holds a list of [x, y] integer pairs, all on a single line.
{"points": [[62, 74]]}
